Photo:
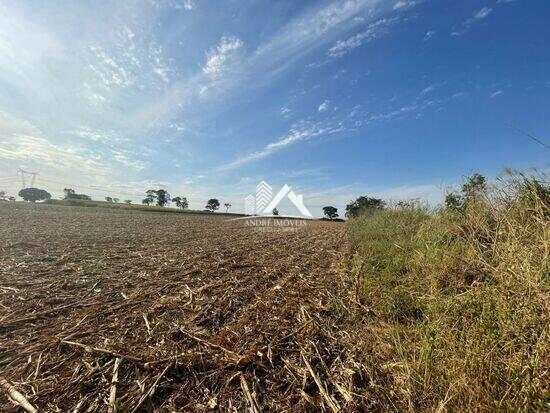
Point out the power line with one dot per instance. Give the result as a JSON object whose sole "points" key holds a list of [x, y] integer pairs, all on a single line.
{"points": [[530, 136], [93, 188]]}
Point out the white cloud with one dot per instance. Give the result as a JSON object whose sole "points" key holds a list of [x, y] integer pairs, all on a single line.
{"points": [[429, 34], [188, 4], [285, 111], [427, 90], [24, 142], [124, 158], [431, 88], [401, 4], [373, 30], [497, 93], [223, 72], [311, 30], [481, 14], [87, 133], [219, 57], [323, 107]]}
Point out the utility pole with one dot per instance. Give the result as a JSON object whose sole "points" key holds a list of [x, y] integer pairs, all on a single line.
{"points": [[23, 173]]}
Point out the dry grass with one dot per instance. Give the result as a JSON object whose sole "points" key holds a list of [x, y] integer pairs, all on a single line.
{"points": [[461, 301]]}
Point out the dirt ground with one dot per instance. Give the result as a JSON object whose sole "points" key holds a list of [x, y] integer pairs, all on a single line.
{"points": [[105, 310]]}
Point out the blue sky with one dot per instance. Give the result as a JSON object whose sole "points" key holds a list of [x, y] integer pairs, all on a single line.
{"points": [[337, 98]]}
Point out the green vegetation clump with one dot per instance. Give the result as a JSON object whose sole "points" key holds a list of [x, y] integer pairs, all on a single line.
{"points": [[459, 298], [34, 194]]}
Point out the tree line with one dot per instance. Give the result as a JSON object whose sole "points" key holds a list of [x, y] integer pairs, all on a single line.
{"points": [[161, 198], [473, 186]]}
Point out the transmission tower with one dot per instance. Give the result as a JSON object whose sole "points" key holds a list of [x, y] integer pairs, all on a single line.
{"points": [[23, 173]]}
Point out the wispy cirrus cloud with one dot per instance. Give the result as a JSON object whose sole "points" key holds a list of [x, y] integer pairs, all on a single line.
{"points": [[430, 88], [299, 132], [296, 39], [221, 56], [478, 15], [372, 31], [285, 111], [305, 130]]}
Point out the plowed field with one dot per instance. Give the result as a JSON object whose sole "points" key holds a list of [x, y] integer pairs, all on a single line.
{"points": [[106, 310]]}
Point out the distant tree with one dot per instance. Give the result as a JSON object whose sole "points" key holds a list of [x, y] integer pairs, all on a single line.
{"points": [[11, 199], [275, 211], [472, 189], [34, 194], [68, 192], [128, 201], [212, 205], [363, 204], [71, 194], [330, 212], [227, 205], [160, 196], [115, 200], [150, 196], [181, 202], [3, 195], [108, 199], [163, 197]]}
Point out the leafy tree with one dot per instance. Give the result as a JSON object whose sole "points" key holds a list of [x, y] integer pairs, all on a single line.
{"points": [[11, 199], [68, 192], [115, 200], [128, 201], [212, 205], [163, 197], [34, 194], [227, 205], [108, 199], [363, 204], [275, 211], [150, 197], [3, 195], [330, 212], [181, 202]]}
